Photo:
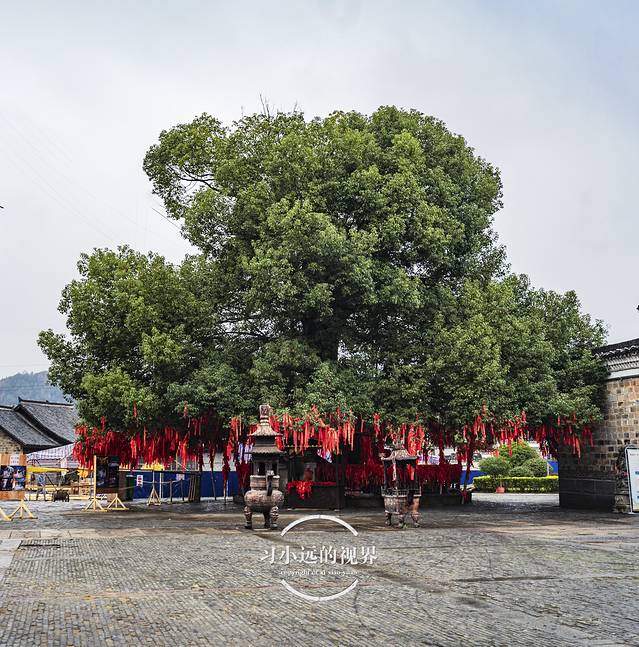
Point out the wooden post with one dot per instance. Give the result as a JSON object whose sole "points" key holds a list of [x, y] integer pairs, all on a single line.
{"points": [[153, 499], [21, 511], [116, 504], [94, 505]]}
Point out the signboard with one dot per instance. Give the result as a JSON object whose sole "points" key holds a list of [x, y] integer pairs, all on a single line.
{"points": [[13, 476], [139, 480], [6, 478], [107, 473], [19, 477], [179, 477], [632, 467]]}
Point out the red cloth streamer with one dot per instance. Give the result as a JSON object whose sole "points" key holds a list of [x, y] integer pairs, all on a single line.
{"points": [[304, 489], [328, 432]]}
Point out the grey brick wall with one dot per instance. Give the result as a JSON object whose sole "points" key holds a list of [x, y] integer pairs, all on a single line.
{"points": [[589, 482], [8, 445]]}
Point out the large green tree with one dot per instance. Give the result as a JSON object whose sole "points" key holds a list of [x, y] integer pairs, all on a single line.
{"points": [[345, 262]]}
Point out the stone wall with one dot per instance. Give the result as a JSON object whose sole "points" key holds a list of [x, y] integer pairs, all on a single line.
{"points": [[589, 482], [8, 445]]}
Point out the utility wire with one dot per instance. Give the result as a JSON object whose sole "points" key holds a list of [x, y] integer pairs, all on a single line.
{"points": [[166, 218], [65, 159], [56, 196], [22, 365]]}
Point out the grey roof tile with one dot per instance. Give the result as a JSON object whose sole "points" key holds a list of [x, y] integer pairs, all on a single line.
{"points": [[21, 430], [54, 418], [621, 348]]}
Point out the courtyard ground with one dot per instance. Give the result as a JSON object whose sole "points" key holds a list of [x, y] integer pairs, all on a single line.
{"points": [[508, 570]]}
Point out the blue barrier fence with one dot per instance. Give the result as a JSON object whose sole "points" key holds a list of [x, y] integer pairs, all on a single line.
{"points": [[207, 489]]}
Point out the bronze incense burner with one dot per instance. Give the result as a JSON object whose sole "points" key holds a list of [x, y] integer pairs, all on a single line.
{"points": [[264, 494], [402, 494]]}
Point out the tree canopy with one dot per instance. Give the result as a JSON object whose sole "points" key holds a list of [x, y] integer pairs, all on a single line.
{"points": [[345, 263]]}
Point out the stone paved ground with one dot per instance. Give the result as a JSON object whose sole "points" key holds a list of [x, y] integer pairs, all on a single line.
{"points": [[511, 570]]}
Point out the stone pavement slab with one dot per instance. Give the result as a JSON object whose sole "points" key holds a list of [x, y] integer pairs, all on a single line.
{"points": [[503, 572], [7, 549]]}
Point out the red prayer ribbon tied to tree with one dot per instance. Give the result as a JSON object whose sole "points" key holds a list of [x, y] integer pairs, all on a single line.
{"points": [[304, 489], [360, 477], [163, 445], [243, 471], [328, 432]]}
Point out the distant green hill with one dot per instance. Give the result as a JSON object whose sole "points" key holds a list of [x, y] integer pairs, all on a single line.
{"points": [[28, 386]]}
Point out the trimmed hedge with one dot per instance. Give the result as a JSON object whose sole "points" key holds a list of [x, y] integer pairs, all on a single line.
{"points": [[521, 470], [537, 466], [517, 483]]}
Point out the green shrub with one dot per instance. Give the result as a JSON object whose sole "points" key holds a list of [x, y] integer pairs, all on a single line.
{"points": [[495, 466], [519, 453], [517, 483], [536, 467], [522, 470]]}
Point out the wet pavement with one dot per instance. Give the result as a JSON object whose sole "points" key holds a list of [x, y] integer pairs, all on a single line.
{"points": [[507, 570]]}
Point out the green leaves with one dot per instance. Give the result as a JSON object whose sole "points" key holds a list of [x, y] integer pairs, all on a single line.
{"points": [[347, 261], [495, 466], [135, 327], [518, 453], [112, 394]]}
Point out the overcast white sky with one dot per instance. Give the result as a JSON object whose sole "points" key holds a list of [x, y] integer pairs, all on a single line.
{"points": [[547, 91]]}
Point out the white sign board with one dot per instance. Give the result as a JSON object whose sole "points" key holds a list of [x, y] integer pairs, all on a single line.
{"points": [[179, 477], [632, 466], [139, 480], [14, 459]]}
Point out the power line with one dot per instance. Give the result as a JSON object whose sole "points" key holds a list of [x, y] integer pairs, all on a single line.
{"points": [[56, 196], [27, 387], [166, 218], [72, 182], [21, 365]]}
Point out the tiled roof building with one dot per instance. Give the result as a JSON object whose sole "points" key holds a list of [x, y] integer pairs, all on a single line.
{"points": [[32, 426]]}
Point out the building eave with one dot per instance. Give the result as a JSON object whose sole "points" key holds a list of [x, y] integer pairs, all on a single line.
{"points": [[622, 359]]}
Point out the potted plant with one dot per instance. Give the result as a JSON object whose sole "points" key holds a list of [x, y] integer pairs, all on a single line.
{"points": [[497, 468]]}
